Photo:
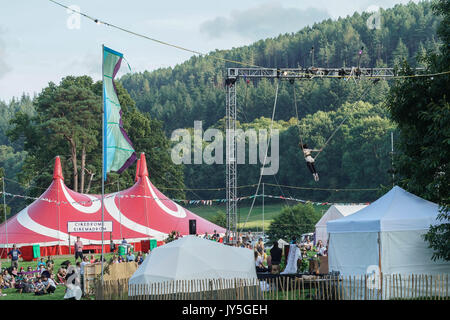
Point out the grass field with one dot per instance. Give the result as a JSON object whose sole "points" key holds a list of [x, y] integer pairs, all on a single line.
{"points": [[255, 220], [12, 294]]}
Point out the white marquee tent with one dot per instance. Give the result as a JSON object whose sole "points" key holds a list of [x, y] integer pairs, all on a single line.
{"points": [[192, 258], [388, 234], [333, 213]]}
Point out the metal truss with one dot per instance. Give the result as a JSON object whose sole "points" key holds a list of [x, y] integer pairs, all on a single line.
{"points": [[290, 74], [311, 73]]}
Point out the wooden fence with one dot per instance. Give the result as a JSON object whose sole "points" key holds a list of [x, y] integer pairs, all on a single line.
{"points": [[112, 273], [365, 287]]}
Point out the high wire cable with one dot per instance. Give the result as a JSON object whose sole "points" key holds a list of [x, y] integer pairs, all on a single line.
{"points": [[98, 21], [265, 157]]}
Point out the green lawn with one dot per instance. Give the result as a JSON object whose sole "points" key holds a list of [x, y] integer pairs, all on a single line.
{"points": [[12, 294], [255, 220]]}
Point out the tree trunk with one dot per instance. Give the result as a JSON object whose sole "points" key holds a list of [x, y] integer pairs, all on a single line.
{"points": [[83, 162], [74, 164], [90, 180]]}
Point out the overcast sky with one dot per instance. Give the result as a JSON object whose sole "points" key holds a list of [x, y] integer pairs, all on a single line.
{"points": [[40, 41]]}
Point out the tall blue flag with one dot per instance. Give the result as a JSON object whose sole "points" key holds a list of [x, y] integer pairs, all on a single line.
{"points": [[118, 151]]}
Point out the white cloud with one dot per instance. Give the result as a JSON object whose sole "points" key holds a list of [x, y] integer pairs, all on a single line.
{"points": [[265, 20]]}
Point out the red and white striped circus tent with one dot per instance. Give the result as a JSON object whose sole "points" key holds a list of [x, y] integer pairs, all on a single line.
{"points": [[138, 214]]}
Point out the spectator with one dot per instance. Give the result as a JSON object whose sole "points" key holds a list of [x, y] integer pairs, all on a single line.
{"points": [[275, 254], [41, 270], [41, 263], [112, 246], [78, 249], [8, 280], [124, 242], [50, 264], [260, 247], [308, 244], [259, 263], [15, 255], [49, 285], [39, 288], [30, 273], [92, 260], [1, 285], [14, 272], [139, 258], [321, 249], [130, 256], [61, 275], [82, 268]]}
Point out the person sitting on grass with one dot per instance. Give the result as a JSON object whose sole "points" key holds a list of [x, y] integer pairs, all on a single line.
{"points": [[50, 264], [130, 256], [49, 285], [21, 281], [60, 276], [30, 273], [14, 272], [39, 288], [8, 279], [1, 286], [41, 270], [29, 286]]}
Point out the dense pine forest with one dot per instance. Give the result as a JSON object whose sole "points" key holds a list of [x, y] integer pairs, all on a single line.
{"points": [[158, 102]]}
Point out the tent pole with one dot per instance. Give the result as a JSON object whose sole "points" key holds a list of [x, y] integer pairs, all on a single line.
{"points": [[4, 210], [379, 260], [263, 208], [392, 159], [120, 212], [59, 212], [103, 151]]}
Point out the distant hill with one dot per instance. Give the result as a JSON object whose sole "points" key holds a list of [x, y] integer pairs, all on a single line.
{"points": [[194, 90]]}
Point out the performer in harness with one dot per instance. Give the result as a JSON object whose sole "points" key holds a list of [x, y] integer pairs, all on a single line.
{"points": [[310, 160]]}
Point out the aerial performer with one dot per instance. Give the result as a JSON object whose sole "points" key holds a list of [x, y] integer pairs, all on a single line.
{"points": [[310, 160]]}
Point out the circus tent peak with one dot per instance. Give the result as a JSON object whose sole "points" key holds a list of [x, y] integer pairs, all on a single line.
{"points": [[137, 213], [57, 170], [143, 172]]}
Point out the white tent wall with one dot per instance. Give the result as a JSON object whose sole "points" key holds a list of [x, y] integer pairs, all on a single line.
{"points": [[192, 258], [321, 234], [353, 252], [406, 252], [333, 213]]}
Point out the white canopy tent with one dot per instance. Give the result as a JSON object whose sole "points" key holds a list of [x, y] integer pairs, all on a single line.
{"points": [[388, 234], [333, 213], [192, 258]]}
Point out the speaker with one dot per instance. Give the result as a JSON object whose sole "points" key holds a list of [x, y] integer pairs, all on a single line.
{"points": [[193, 226]]}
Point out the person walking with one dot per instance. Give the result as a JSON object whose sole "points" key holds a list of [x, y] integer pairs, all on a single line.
{"points": [[78, 249]]}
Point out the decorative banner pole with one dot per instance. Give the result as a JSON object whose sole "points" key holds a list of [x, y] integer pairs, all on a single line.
{"points": [[4, 210], [103, 150], [117, 150]]}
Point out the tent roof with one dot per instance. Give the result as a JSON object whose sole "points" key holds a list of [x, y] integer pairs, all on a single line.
{"points": [[137, 213], [338, 211], [397, 210], [192, 257]]}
